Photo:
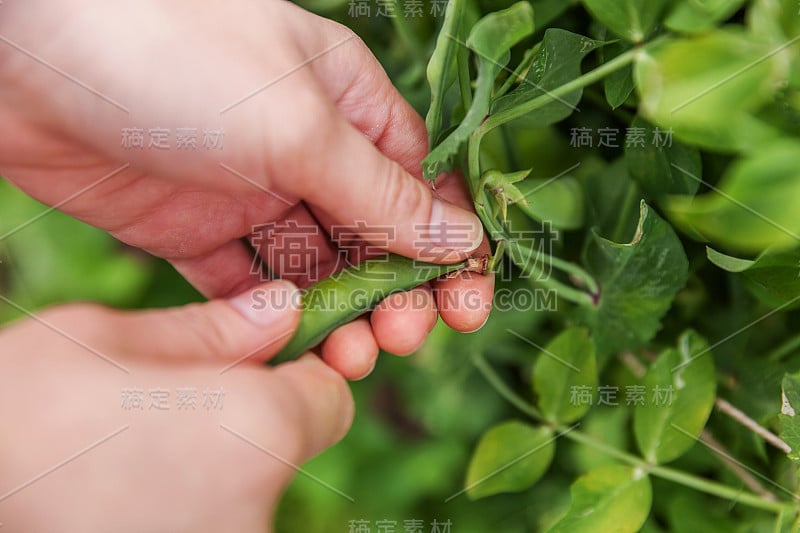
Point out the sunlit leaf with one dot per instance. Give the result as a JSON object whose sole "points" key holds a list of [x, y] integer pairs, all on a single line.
{"points": [[510, 457], [753, 208], [609, 498], [564, 368], [559, 202], [706, 88], [680, 389], [698, 15], [631, 19]]}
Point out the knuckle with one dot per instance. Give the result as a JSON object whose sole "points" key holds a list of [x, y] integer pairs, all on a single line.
{"points": [[401, 194], [312, 124]]}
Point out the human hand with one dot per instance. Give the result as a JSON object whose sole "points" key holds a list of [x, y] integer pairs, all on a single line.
{"points": [[77, 454], [314, 135]]}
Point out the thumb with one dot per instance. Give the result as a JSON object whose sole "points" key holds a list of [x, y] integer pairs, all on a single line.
{"points": [[248, 328], [368, 144], [360, 187]]}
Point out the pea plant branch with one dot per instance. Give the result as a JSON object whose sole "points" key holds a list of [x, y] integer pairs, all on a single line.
{"points": [[739, 416], [481, 201], [760, 501], [505, 94]]}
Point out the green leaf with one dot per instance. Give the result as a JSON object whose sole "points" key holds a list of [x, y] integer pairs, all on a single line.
{"points": [[510, 457], [661, 166], [557, 62], [60, 259], [618, 85], [441, 69], [564, 365], [610, 498], [495, 34], [491, 39], [774, 277], [559, 202], [638, 282], [788, 417], [755, 207], [632, 20], [727, 262], [612, 197], [706, 88], [691, 16], [685, 379]]}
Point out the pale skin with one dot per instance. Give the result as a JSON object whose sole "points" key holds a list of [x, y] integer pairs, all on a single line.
{"points": [[315, 134]]}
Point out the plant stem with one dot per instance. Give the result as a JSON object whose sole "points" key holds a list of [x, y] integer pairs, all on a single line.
{"points": [[677, 476], [720, 490], [580, 82], [521, 69], [516, 252], [500, 247], [474, 163], [742, 418], [502, 389], [565, 266], [497, 233], [779, 518], [464, 78], [726, 458]]}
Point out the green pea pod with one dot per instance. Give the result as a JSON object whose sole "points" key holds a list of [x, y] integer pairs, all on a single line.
{"points": [[353, 291]]}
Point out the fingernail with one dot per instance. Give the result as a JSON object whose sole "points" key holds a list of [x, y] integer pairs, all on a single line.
{"points": [[267, 304], [454, 228]]}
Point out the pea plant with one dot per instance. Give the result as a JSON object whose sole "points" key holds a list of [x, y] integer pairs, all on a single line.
{"points": [[655, 143]]}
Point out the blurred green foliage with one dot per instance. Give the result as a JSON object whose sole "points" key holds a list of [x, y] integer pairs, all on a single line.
{"points": [[420, 419], [49, 258]]}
